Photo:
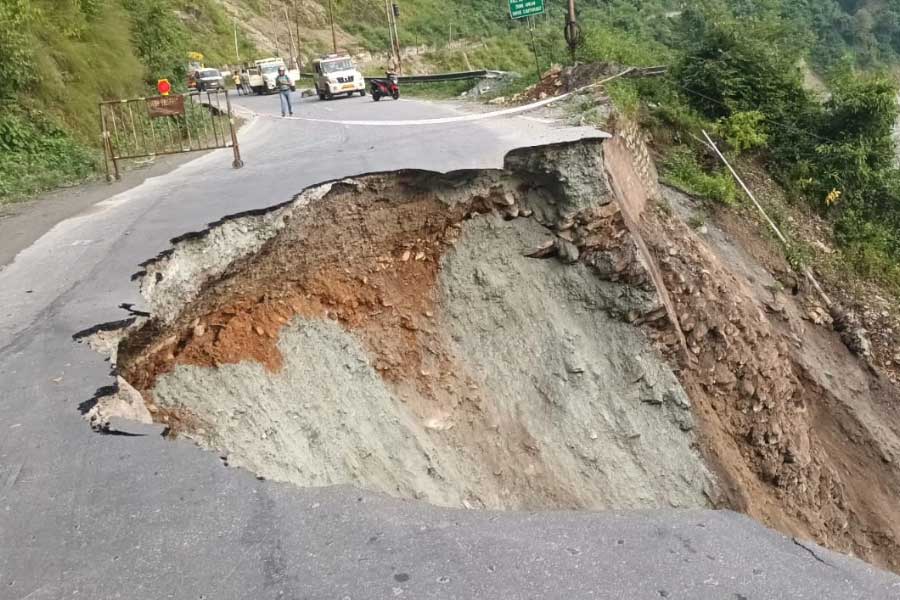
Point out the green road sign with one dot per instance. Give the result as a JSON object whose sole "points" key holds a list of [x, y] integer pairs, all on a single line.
{"points": [[519, 9]]}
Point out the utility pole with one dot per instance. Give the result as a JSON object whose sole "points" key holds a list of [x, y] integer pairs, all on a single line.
{"points": [[274, 30], [387, 15], [333, 34], [573, 33], [287, 21], [237, 53], [297, 29], [537, 62], [396, 14]]}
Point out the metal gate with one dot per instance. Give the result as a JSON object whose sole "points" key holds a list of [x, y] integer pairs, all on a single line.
{"points": [[161, 125]]}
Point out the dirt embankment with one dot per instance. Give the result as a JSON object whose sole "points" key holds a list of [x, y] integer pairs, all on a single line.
{"points": [[802, 434], [494, 339], [393, 334]]}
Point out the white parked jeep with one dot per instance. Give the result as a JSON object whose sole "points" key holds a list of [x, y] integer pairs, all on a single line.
{"points": [[336, 74]]}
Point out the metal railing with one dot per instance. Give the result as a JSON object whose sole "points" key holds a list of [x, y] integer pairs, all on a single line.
{"points": [[438, 77], [162, 125]]}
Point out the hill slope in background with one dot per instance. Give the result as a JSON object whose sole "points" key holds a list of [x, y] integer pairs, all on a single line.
{"points": [[58, 59]]}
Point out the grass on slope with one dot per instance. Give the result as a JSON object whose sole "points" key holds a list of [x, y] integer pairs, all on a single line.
{"points": [[211, 32], [59, 59], [71, 56]]}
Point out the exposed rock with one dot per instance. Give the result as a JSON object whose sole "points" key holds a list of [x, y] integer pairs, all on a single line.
{"points": [[568, 251], [546, 249]]}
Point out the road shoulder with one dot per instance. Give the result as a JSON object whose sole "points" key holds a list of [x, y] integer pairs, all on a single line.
{"points": [[23, 223]]}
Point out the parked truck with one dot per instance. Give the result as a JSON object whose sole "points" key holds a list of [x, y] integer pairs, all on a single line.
{"points": [[264, 71], [336, 74]]}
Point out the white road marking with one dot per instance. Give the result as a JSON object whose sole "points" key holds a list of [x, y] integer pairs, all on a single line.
{"points": [[538, 120], [459, 119]]}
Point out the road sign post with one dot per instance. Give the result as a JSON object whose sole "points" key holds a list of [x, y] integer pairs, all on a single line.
{"points": [[519, 9], [537, 60]]}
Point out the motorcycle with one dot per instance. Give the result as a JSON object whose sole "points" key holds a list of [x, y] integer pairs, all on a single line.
{"points": [[385, 87]]}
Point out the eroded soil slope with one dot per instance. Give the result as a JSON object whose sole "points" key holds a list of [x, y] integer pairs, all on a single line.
{"points": [[393, 334], [515, 339]]}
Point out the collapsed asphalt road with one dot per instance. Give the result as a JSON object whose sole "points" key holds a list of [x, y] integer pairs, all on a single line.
{"points": [[139, 516]]}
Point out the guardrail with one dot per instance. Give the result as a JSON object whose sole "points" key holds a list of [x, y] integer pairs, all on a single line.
{"points": [[655, 71], [439, 77], [461, 76]]}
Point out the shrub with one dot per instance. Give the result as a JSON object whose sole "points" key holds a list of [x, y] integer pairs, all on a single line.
{"points": [[16, 47], [682, 170], [37, 154], [743, 131]]}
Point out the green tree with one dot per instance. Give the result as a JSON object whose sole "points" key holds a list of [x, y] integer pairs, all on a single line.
{"points": [[857, 154], [748, 65], [744, 130], [159, 39], [16, 47]]}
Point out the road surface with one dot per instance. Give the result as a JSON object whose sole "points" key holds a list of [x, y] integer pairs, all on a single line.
{"points": [[137, 516]]}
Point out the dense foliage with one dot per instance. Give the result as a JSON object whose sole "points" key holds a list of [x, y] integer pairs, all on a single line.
{"points": [[839, 154], [59, 58]]}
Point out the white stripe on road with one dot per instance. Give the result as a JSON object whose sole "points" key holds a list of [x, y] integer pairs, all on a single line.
{"points": [[438, 121], [459, 119], [538, 120]]}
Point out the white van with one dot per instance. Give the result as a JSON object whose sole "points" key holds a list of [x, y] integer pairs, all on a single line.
{"points": [[263, 74], [336, 74]]}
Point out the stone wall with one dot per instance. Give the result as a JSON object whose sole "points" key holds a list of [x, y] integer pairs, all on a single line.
{"points": [[629, 135]]}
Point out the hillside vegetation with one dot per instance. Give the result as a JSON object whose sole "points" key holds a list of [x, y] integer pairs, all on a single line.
{"points": [[59, 58], [736, 72]]}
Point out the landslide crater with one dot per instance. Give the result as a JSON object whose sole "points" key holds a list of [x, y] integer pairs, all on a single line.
{"points": [[459, 338], [510, 339]]}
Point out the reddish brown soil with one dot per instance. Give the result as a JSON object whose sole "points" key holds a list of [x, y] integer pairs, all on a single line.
{"points": [[875, 303], [369, 264]]}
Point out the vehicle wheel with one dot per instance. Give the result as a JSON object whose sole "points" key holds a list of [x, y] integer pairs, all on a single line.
{"points": [[362, 92], [376, 96], [395, 95], [329, 96]]}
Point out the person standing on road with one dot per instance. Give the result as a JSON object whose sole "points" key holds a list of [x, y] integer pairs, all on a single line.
{"points": [[236, 78], [283, 83]]}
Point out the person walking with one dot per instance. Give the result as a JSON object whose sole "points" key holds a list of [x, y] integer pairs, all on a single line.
{"points": [[236, 78], [283, 83]]}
